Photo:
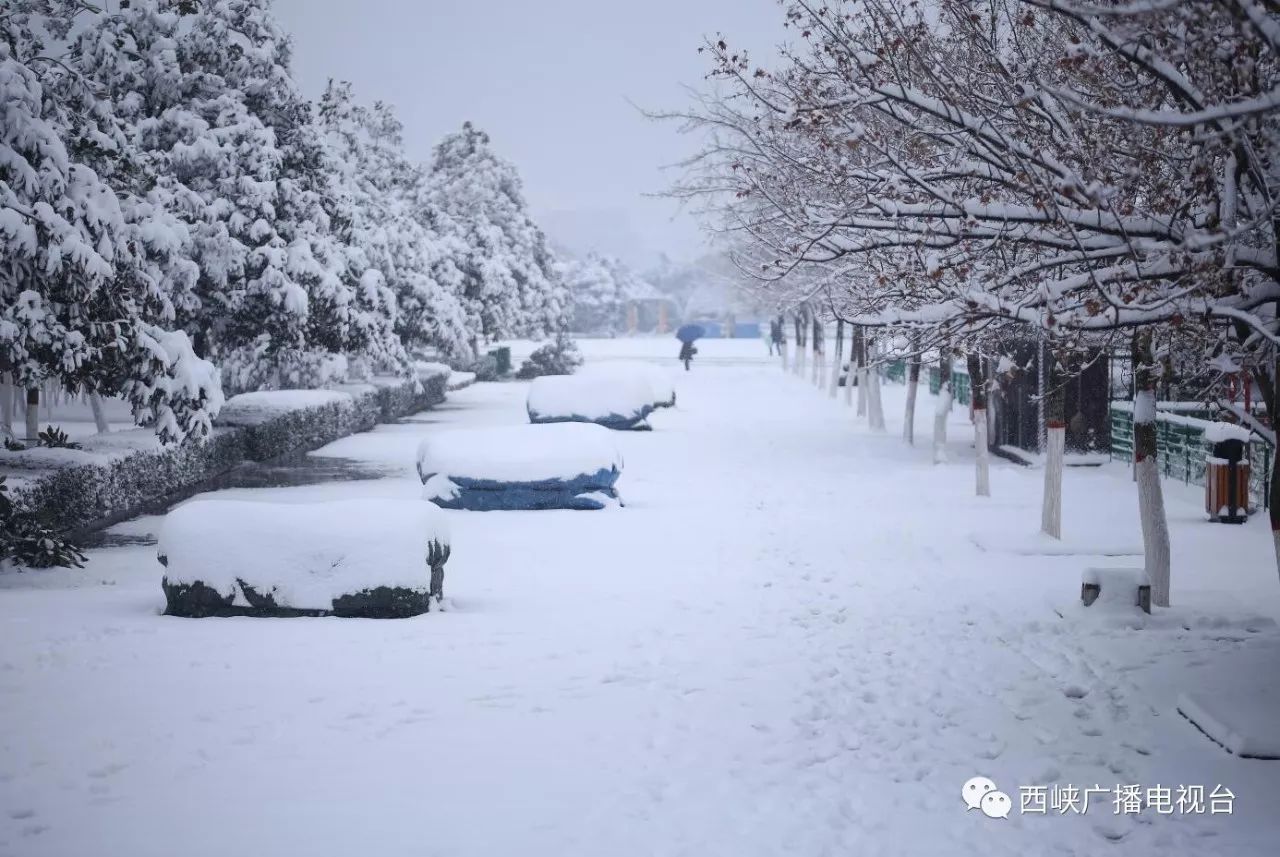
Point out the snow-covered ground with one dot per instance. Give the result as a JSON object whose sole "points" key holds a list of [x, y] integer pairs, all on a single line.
{"points": [[797, 638]]}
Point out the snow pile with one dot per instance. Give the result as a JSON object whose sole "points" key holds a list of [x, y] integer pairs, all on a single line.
{"points": [[1218, 432], [253, 409], [369, 557], [659, 380], [616, 402], [558, 466], [1235, 704]]}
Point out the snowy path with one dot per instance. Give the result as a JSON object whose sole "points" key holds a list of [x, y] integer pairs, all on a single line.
{"points": [[789, 642]]}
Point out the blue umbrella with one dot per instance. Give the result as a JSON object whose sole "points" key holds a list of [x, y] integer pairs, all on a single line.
{"points": [[689, 332]]}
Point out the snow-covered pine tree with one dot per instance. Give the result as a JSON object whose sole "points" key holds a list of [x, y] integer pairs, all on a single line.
{"points": [[84, 279], [509, 287]]}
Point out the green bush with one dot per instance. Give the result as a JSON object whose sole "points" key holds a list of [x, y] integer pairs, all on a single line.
{"points": [[555, 358]]}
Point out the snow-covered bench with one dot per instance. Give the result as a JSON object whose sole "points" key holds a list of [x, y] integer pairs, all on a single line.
{"points": [[368, 558], [616, 402], [659, 380], [560, 466], [1117, 588]]}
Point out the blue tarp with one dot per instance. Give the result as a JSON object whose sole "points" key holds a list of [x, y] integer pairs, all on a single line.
{"points": [[587, 491], [635, 421]]}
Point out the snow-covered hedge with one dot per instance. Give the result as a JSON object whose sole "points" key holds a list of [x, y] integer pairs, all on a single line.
{"points": [[378, 559], [616, 402], [97, 489], [658, 379], [562, 466]]}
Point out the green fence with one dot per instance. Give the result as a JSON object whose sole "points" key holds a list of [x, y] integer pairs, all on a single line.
{"points": [[1181, 449], [959, 383]]}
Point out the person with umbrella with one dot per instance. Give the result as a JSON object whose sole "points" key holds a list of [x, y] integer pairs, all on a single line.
{"points": [[687, 334]]}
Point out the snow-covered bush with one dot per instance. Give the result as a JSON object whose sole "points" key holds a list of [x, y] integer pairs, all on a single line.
{"points": [[568, 466], [613, 402], [368, 558], [560, 357], [26, 540]]}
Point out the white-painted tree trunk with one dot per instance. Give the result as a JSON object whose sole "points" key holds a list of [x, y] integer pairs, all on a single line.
{"points": [[983, 456], [800, 359], [7, 393], [1051, 511], [833, 377], [875, 406], [786, 363], [33, 414], [99, 415], [819, 366], [909, 418], [1155, 530], [862, 391], [940, 425]]}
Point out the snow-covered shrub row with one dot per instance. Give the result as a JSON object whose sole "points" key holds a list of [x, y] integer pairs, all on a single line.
{"points": [[616, 402], [110, 487], [377, 559], [563, 466]]}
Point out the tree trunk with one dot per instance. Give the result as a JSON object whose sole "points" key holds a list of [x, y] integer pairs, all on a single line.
{"points": [[833, 380], [33, 413], [913, 384], [99, 416], [978, 393], [782, 346], [818, 352], [851, 374], [1155, 525], [862, 375], [943, 408], [1055, 425], [7, 392], [1273, 499], [801, 344], [875, 407]]}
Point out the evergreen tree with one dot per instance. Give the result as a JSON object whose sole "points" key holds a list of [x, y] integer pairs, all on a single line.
{"points": [[84, 278], [509, 285]]}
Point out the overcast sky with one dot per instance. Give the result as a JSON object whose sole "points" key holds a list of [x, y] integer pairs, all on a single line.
{"points": [[550, 81]]}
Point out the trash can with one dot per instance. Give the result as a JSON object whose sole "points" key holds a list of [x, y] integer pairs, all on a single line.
{"points": [[503, 357], [1226, 483]]}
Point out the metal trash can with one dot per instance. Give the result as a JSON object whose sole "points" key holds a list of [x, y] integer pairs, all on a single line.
{"points": [[503, 357], [1226, 483]]}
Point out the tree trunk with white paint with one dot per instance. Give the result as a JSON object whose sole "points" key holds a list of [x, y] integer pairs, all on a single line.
{"points": [[7, 393], [913, 384], [851, 373], [1055, 452], [943, 408], [875, 407], [99, 415], [33, 413], [1155, 524], [833, 380], [801, 345], [782, 346], [862, 375], [982, 454]]}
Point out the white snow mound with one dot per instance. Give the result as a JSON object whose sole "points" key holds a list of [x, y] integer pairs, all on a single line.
{"points": [[591, 396], [1218, 432], [659, 379], [311, 553], [524, 453]]}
